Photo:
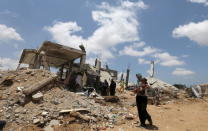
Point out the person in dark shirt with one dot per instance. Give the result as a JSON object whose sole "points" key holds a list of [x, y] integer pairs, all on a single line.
{"points": [[104, 88], [2, 124], [112, 87], [141, 102]]}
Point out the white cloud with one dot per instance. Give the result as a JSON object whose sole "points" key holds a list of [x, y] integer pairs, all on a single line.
{"points": [[9, 13], [163, 58], [139, 44], [62, 32], [182, 72], [185, 56], [117, 25], [143, 61], [167, 60], [205, 2], [9, 33], [197, 32], [8, 63], [133, 51]]}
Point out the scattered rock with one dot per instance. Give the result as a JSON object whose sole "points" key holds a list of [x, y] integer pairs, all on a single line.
{"points": [[44, 113], [80, 116], [129, 116], [55, 102], [16, 115], [7, 116], [18, 110], [113, 99], [36, 121], [28, 72], [37, 97], [54, 122], [83, 110], [20, 88]]}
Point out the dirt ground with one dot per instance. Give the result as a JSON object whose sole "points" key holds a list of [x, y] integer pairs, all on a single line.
{"points": [[180, 115]]}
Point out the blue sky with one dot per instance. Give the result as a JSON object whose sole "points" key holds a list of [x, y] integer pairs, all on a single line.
{"points": [[121, 33]]}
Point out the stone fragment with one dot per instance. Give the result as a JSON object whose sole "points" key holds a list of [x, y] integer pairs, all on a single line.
{"points": [[36, 121], [28, 72], [75, 110], [19, 109], [55, 102], [54, 122], [20, 88], [16, 115], [113, 99], [129, 116], [37, 97], [44, 113]]}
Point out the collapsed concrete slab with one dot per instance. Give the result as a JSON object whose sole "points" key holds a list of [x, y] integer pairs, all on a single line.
{"points": [[156, 83], [51, 54], [37, 86]]}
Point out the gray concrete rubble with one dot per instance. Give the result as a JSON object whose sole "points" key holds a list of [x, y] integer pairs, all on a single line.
{"points": [[37, 97], [52, 102]]}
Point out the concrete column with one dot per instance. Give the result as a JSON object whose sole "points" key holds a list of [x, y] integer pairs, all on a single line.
{"points": [[82, 60], [127, 77]]}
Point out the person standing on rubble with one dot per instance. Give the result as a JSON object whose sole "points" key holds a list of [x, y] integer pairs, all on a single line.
{"points": [[112, 87], [104, 90], [141, 102], [2, 124]]}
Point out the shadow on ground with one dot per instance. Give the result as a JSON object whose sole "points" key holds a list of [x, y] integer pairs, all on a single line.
{"points": [[149, 127]]}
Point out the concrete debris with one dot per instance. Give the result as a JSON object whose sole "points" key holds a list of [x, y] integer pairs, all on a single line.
{"points": [[75, 110], [36, 121], [80, 116], [54, 122], [37, 97], [198, 91], [129, 116], [20, 88], [156, 83], [53, 102], [44, 113], [113, 99], [37, 86]]}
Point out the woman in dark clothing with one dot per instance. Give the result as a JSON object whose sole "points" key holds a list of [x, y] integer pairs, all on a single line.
{"points": [[112, 88], [141, 101], [2, 124], [104, 88]]}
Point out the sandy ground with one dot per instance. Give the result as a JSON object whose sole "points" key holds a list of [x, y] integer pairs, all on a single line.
{"points": [[180, 115]]}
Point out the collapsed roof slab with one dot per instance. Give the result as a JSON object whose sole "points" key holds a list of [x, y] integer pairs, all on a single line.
{"points": [[56, 54]]}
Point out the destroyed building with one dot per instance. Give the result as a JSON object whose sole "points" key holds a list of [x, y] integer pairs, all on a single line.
{"points": [[52, 55], [36, 96]]}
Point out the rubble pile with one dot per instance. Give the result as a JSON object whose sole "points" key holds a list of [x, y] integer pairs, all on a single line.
{"points": [[55, 104], [163, 90]]}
